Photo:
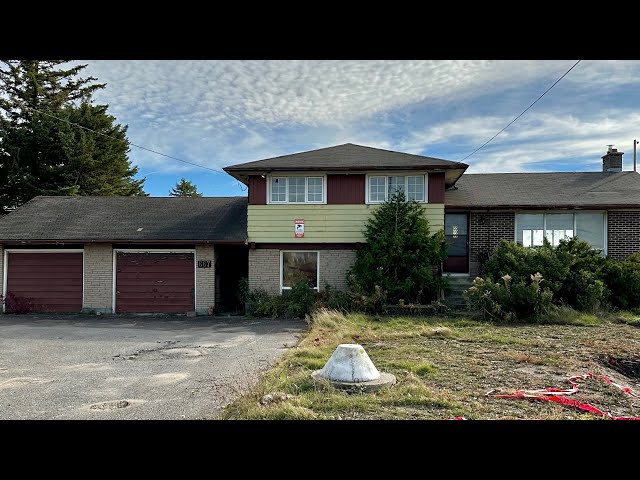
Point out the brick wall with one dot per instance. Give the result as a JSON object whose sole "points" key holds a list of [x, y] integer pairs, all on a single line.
{"points": [[98, 277], [1, 270], [485, 232], [264, 268], [205, 280], [623, 233], [334, 265]]}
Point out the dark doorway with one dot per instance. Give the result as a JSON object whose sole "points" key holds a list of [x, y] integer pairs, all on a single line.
{"points": [[456, 230], [232, 264]]}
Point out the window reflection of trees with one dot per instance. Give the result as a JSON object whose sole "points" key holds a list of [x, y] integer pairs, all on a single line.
{"points": [[299, 266]]}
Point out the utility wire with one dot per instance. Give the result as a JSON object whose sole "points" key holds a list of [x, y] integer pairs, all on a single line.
{"points": [[523, 112], [120, 140]]}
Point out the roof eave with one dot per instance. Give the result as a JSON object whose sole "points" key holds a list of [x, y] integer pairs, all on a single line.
{"points": [[243, 174], [541, 206], [137, 240]]}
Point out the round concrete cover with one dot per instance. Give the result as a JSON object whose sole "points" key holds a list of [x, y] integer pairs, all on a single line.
{"points": [[350, 363]]}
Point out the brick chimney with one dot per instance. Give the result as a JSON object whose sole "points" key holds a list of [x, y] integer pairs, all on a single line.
{"points": [[612, 161]]}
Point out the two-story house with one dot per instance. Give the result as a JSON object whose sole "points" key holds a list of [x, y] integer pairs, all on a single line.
{"points": [[306, 212], [303, 219]]}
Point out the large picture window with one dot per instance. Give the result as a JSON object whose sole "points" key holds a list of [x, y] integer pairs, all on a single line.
{"points": [[296, 189], [381, 188], [299, 267], [531, 228]]}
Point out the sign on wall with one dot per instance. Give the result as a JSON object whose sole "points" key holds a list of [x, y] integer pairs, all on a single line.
{"points": [[298, 227], [204, 263]]}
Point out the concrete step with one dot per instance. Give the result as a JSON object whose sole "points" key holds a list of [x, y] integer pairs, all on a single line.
{"points": [[453, 296]]}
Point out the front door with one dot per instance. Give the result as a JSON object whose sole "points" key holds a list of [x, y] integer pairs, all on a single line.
{"points": [[457, 238]]}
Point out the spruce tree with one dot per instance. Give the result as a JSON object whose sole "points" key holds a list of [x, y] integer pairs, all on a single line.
{"points": [[41, 154], [185, 188], [400, 253]]}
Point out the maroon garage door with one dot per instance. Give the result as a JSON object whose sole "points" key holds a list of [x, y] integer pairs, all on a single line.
{"points": [[51, 282], [154, 282]]}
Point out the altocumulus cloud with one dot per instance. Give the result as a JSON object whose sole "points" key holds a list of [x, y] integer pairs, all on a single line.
{"points": [[222, 112]]}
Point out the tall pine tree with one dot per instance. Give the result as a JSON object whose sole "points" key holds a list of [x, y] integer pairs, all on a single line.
{"points": [[42, 155]]}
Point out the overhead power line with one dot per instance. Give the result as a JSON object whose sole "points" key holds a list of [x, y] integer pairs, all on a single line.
{"points": [[523, 112], [124, 141]]}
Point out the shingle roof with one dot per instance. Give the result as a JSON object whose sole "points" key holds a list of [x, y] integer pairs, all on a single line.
{"points": [[347, 157], [128, 219], [546, 190]]}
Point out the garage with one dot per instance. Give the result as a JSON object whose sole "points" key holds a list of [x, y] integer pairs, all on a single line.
{"points": [[47, 281], [154, 282]]}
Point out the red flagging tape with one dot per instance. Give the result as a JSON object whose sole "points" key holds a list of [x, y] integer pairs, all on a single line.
{"points": [[556, 395]]}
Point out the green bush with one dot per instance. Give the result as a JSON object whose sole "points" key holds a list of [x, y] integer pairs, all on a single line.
{"points": [[331, 299], [400, 254], [573, 271], [373, 302], [510, 300], [623, 281], [259, 303], [299, 299]]}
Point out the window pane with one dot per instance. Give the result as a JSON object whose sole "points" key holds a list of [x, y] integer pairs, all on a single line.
{"points": [[415, 188], [590, 228], [376, 189], [559, 226], [299, 267], [296, 189], [314, 189], [396, 184], [530, 228], [457, 245], [278, 189]]}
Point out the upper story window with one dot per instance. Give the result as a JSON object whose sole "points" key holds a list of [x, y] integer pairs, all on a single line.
{"points": [[381, 188], [296, 189], [532, 228]]}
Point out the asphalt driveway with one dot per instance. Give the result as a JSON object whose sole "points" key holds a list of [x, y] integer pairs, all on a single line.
{"points": [[111, 367]]}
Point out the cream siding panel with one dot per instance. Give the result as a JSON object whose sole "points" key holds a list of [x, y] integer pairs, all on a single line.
{"points": [[323, 223]]}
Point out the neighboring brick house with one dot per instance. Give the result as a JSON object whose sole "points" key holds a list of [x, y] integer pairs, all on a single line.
{"points": [[303, 219], [602, 208]]}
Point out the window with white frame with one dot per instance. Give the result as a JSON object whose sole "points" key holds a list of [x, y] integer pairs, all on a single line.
{"points": [[301, 266], [296, 189], [532, 228], [381, 188]]}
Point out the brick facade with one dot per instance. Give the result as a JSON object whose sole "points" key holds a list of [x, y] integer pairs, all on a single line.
{"points": [[205, 280], [334, 265], [98, 278], [1, 270], [486, 229], [264, 268], [623, 233]]}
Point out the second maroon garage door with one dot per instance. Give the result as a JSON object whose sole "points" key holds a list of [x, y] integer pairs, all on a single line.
{"points": [[154, 282]]}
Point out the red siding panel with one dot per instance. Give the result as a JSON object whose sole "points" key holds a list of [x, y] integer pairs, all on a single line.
{"points": [[257, 190], [345, 189], [53, 281], [154, 282], [436, 187]]}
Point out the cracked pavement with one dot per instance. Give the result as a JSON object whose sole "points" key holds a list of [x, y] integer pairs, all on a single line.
{"points": [[113, 367]]}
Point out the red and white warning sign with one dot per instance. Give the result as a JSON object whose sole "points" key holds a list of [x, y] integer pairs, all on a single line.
{"points": [[298, 227]]}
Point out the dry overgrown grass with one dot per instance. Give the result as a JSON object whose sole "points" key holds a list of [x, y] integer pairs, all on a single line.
{"points": [[445, 367]]}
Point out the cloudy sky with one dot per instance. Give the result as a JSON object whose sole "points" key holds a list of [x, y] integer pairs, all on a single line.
{"points": [[219, 113]]}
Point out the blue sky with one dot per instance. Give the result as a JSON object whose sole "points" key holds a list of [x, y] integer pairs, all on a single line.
{"points": [[223, 112]]}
